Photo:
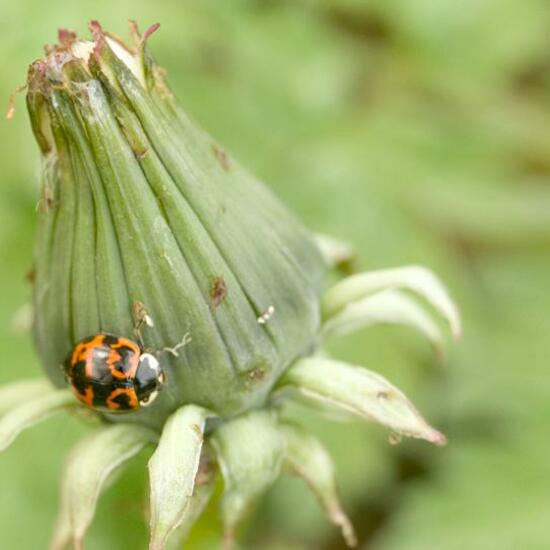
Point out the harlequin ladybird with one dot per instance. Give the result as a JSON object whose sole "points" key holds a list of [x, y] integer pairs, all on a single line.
{"points": [[113, 373]]}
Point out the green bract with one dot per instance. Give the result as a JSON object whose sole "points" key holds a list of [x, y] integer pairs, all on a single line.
{"points": [[150, 231]]}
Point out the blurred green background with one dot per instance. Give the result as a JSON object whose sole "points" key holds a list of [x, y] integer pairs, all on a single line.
{"points": [[417, 130]]}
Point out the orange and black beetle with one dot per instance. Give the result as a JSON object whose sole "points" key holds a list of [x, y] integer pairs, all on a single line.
{"points": [[113, 373]]}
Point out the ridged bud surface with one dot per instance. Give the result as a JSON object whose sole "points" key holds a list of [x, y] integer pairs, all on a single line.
{"points": [[145, 221]]}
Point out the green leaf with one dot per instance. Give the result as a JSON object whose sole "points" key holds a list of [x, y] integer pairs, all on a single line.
{"points": [[355, 392], [306, 457], [32, 412], [250, 452], [173, 469], [90, 466]]}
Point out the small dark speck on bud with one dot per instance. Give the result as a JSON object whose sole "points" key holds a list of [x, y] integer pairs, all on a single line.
{"points": [[394, 439], [222, 156], [218, 292], [256, 374], [197, 431], [47, 201], [141, 154], [30, 276]]}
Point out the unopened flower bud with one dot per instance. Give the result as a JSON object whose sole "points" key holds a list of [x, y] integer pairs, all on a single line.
{"points": [[142, 211]]}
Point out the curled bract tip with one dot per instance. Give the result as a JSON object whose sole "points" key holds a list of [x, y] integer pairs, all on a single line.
{"points": [[138, 38], [66, 37], [438, 438], [11, 100], [95, 27], [150, 30]]}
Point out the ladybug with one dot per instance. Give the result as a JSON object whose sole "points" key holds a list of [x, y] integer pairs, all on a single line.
{"points": [[113, 373]]}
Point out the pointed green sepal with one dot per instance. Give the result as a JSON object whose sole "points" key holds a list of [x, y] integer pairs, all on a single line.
{"points": [[16, 393], [32, 412], [386, 307], [355, 392], [205, 483], [249, 451], [305, 456], [417, 279], [90, 466], [173, 469]]}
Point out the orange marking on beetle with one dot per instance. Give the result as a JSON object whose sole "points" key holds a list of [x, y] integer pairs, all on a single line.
{"points": [[132, 398], [82, 350], [115, 357], [87, 354], [87, 398], [125, 342]]}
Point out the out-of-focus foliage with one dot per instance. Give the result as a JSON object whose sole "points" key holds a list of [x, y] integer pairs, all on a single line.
{"points": [[420, 132]]}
